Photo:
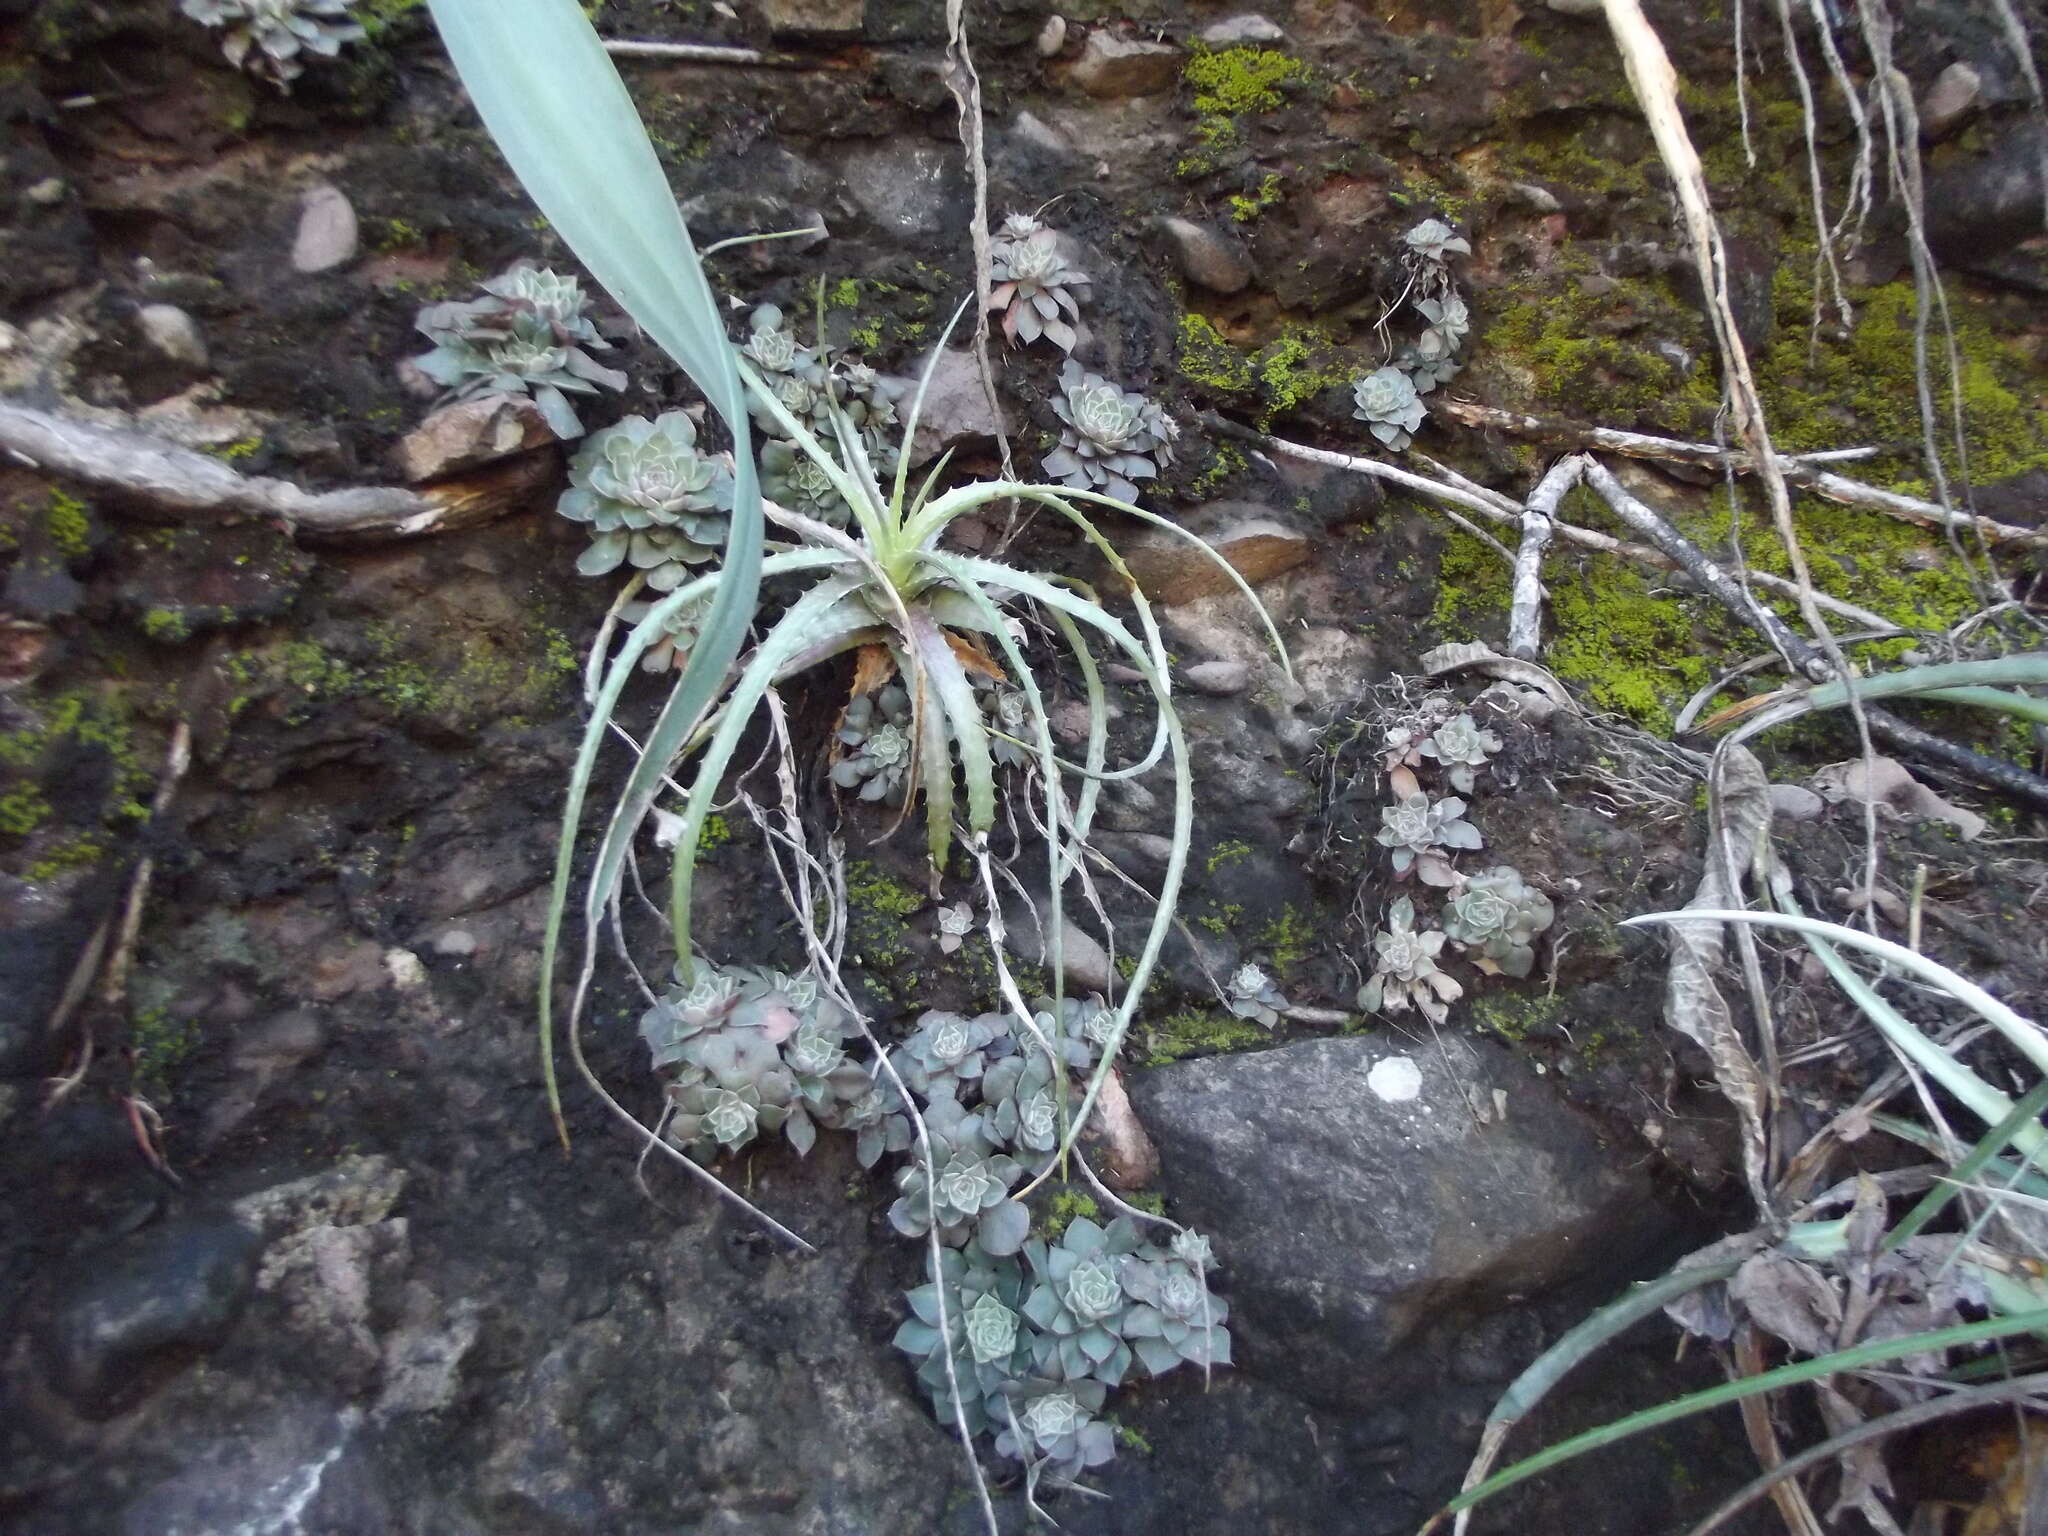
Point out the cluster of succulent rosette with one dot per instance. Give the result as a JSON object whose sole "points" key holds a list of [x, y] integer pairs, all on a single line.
{"points": [[1494, 917], [1039, 1327], [1389, 399]]}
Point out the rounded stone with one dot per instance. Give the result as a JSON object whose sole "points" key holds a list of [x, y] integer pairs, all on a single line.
{"points": [[328, 234], [173, 333], [1207, 257], [1795, 802], [1218, 679]]}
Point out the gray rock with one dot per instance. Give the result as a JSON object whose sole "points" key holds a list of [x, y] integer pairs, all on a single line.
{"points": [[1112, 67], [910, 189], [1349, 1218], [130, 1317], [1795, 802], [1957, 92], [1580, 8], [328, 236], [1052, 37], [1536, 199], [814, 18], [470, 433], [1213, 260], [955, 407], [1172, 571], [173, 334], [1249, 27], [1218, 679], [1083, 960]]}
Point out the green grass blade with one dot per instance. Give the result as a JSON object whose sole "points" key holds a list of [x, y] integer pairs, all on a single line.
{"points": [[2026, 1112], [809, 621], [1877, 1353], [2001, 672], [2000, 700]]}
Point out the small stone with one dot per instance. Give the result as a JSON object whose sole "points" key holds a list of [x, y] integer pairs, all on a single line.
{"points": [[456, 943], [910, 189], [48, 192], [471, 433], [407, 972], [815, 18], [134, 1315], [328, 235], [1171, 572], [1795, 802], [1250, 27], [955, 407], [173, 333], [1052, 37], [1580, 8], [1112, 67], [1956, 93], [1395, 1080], [1536, 199], [1218, 679], [1207, 257], [1146, 853]]}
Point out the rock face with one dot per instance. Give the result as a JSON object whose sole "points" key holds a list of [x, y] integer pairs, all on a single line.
{"points": [[1360, 1220], [1111, 67], [470, 433]]}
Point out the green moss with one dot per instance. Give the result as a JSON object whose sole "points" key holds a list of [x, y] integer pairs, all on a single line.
{"points": [[1199, 1032], [1270, 191], [1295, 367], [1204, 357], [1863, 389], [1288, 938], [877, 906], [1226, 853], [240, 448], [68, 525], [1593, 357], [1061, 1210], [22, 811], [717, 832], [1148, 1202], [1222, 460], [1232, 81], [166, 626], [78, 851], [1511, 1015], [160, 1043], [1128, 1437]]}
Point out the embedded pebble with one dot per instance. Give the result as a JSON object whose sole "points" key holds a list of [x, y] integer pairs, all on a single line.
{"points": [[1249, 27], [1218, 679], [173, 333], [1396, 1079], [328, 233], [1052, 37]]}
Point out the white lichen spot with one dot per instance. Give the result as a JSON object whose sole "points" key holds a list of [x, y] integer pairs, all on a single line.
{"points": [[407, 974], [1396, 1080]]}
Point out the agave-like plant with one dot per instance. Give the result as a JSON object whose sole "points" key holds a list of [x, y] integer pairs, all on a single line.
{"points": [[1033, 283], [551, 97], [272, 38]]}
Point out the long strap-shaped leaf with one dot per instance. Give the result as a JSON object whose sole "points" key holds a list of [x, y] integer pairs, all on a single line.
{"points": [[554, 102]]}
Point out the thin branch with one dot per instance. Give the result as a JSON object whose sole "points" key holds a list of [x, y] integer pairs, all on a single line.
{"points": [[169, 478], [1539, 523], [1800, 469], [710, 53]]}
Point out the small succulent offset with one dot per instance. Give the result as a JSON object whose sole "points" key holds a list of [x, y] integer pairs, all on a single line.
{"points": [[751, 1052], [1463, 747], [1405, 973], [955, 924], [271, 38], [527, 335], [792, 480], [1435, 242], [1078, 1303], [1176, 1320], [1007, 712], [874, 735], [1386, 401], [651, 499], [1417, 830], [1051, 1426], [1252, 995], [969, 1199], [678, 634], [1432, 359], [772, 346], [948, 1051], [1033, 283], [1112, 436], [1498, 915]]}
